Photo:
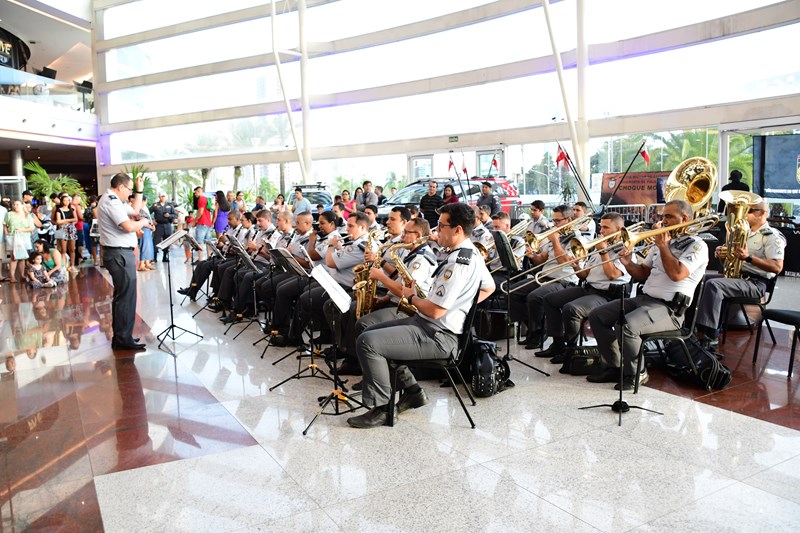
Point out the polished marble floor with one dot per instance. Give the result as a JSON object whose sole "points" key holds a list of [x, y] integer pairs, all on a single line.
{"points": [[91, 441]]}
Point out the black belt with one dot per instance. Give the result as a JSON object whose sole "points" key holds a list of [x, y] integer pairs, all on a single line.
{"points": [[118, 247], [671, 305]]}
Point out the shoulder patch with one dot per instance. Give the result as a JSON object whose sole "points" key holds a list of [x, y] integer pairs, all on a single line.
{"points": [[464, 256], [765, 231]]}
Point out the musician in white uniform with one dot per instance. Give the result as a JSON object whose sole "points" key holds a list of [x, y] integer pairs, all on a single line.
{"points": [[433, 332], [565, 310], [671, 272], [245, 279], [763, 257]]}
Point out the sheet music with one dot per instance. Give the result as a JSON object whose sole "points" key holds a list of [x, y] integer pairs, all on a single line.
{"points": [[338, 295], [175, 237]]}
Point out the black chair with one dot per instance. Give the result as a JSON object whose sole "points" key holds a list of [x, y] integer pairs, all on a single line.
{"points": [[447, 365], [784, 316], [741, 301], [680, 335]]}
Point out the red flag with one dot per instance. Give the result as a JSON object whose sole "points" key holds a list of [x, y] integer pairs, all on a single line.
{"points": [[645, 155], [450, 166], [494, 163], [561, 156], [464, 167]]}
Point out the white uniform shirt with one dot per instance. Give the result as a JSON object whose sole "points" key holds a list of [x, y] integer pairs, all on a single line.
{"points": [[346, 259], [421, 264], [111, 212], [690, 250], [765, 243], [455, 284], [565, 270], [590, 231], [597, 276], [539, 226]]}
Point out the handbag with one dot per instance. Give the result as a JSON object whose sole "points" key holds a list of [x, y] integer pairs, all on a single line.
{"points": [[581, 360], [20, 249], [59, 234]]}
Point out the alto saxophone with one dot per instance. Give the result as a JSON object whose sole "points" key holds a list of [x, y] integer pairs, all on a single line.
{"points": [[365, 289], [404, 306]]}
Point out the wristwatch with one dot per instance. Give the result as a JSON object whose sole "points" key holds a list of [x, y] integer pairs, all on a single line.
{"points": [[748, 259]]}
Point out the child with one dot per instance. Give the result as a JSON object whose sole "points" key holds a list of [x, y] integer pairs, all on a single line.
{"points": [[37, 274], [187, 248]]}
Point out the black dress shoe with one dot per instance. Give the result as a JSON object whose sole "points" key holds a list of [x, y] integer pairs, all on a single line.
{"points": [[554, 350], [124, 346], [231, 319], [628, 382], [358, 386], [412, 401], [609, 375], [184, 291], [372, 418], [559, 359], [284, 340]]}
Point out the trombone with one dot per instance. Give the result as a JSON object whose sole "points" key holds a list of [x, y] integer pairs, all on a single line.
{"points": [[629, 240]]}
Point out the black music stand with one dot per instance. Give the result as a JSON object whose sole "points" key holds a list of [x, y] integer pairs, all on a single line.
{"points": [[342, 301], [214, 253], [196, 247], [170, 331], [245, 258], [290, 265], [506, 255], [621, 406]]}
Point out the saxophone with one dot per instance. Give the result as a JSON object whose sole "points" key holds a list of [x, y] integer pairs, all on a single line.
{"points": [[404, 306], [365, 289]]}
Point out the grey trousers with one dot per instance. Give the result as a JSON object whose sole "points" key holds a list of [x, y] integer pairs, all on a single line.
{"points": [[410, 339], [121, 264], [566, 309], [643, 314], [716, 289]]}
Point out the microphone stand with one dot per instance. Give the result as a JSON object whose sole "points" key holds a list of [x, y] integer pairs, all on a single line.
{"points": [[621, 406]]}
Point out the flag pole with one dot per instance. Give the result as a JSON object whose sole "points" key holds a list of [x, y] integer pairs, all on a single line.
{"points": [[614, 192]]}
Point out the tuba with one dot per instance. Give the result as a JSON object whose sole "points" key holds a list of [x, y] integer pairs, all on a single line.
{"points": [[404, 306], [739, 202], [695, 181]]}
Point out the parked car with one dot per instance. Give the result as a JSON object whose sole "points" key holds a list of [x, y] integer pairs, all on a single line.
{"points": [[505, 191]]}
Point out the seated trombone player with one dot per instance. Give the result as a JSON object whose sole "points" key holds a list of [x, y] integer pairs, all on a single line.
{"points": [[432, 333], [670, 272], [603, 272], [527, 295], [760, 259]]}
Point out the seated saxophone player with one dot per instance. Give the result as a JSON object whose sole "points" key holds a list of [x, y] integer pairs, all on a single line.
{"points": [[417, 264], [204, 269], [762, 259], [670, 272], [340, 259], [603, 272], [223, 281], [501, 221], [345, 323], [432, 333], [527, 295], [290, 289], [245, 279]]}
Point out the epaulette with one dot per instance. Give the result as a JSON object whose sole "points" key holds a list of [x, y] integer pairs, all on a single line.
{"points": [[766, 231], [304, 240], [682, 242], [362, 246], [429, 256], [464, 256], [478, 231], [112, 197]]}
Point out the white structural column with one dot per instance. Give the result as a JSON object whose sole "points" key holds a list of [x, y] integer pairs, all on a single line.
{"points": [[577, 158], [583, 122], [304, 103]]}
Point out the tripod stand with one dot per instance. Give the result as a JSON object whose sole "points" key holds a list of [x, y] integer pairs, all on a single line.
{"points": [[312, 367], [216, 255], [506, 255], [339, 393], [245, 258], [621, 406], [170, 331]]}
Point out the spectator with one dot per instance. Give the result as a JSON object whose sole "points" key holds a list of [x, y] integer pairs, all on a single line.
{"points": [[202, 219], [430, 203], [394, 191], [239, 202], [488, 199], [221, 210], [301, 205], [260, 204], [349, 204], [3, 237], [278, 206], [381, 197], [734, 184], [449, 195], [67, 233], [52, 261], [37, 273], [163, 215], [88, 220], [77, 205], [18, 227], [367, 197]]}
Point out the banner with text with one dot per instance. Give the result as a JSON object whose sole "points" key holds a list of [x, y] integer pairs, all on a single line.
{"points": [[637, 188]]}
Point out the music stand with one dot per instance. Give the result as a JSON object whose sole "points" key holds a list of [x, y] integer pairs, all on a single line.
{"points": [[506, 255], [248, 262], [312, 366], [290, 265], [342, 301], [170, 331], [621, 406]]}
